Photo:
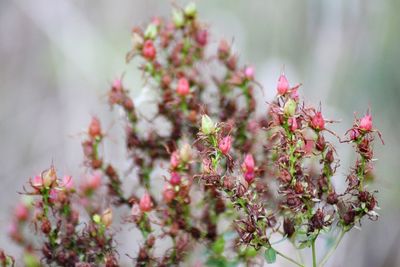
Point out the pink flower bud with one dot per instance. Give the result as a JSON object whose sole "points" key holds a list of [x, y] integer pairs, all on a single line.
{"points": [[283, 85], [146, 204], [117, 84], [248, 163], [168, 193], [202, 37], [94, 127], [149, 51], [249, 73], [318, 122], [175, 178], [249, 176], [94, 181], [21, 212], [225, 144], [174, 160], [366, 123], [49, 177], [293, 124], [183, 87]]}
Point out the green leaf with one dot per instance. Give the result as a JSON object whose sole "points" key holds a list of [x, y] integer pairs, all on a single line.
{"points": [[219, 245], [270, 255]]}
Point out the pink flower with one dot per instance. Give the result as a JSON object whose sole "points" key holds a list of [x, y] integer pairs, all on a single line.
{"points": [[146, 204], [225, 144], [183, 87], [318, 122], [283, 85], [148, 50], [366, 123], [249, 73], [248, 163], [175, 178], [174, 160]]}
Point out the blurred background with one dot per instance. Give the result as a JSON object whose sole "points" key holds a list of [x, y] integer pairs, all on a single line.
{"points": [[58, 59]]}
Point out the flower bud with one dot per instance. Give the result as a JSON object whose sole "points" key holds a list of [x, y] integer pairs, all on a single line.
{"points": [[106, 217], [283, 85], [49, 177], [225, 144], [168, 193], [249, 73], [21, 212], [317, 121], [94, 128], [249, 176], [151, 31], [146, 204], [202, 37], [207, 125], [93, 182], [149, 51], [175, 179], [224, 50], [248, 163], [183, 87], [178, 18], [191, 10], [117, 84], [185, 153], [366, 123], [289, 109], [174, 160], [293, 124]]}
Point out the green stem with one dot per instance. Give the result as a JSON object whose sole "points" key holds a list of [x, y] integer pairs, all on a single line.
{"points": [[289, 259], [314, 255], [334, 247]]}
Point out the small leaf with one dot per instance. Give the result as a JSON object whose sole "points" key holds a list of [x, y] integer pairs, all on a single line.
{"points": [[219, 245], [270, 255]]}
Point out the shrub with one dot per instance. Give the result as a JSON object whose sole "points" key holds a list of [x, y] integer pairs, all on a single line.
{"points": [[237, 183]]}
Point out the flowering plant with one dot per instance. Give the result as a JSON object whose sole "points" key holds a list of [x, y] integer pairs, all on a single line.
{"points": [[236, 184]]}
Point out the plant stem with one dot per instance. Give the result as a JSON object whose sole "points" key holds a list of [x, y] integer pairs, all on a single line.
{"points": [[314, 255], [289, 259], [330, 252]]}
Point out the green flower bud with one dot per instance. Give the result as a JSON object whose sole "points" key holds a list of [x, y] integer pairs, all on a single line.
{"points": [[207, 125], [151, 31], [185, 152], [191, 10], [289, 109], [178, 18]]}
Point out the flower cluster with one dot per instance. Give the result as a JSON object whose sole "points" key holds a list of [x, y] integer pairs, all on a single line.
{"points": [[232, 181]]}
